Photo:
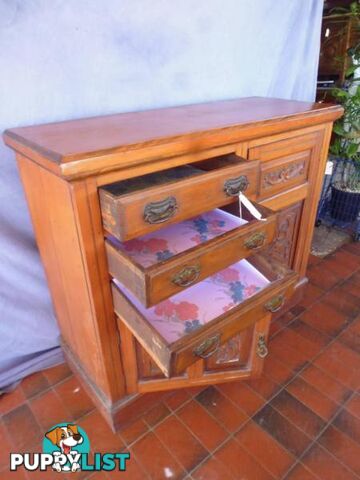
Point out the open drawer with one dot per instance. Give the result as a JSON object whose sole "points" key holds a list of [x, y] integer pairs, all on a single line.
{"points": [[194, 323], [140, 205], [160, 264]]}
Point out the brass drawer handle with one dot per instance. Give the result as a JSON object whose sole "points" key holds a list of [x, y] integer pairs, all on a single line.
{"points": [[261, 348], [256, 240], [187, 276], [275, 303], [159, 212], [208, 347], [234, 186]]}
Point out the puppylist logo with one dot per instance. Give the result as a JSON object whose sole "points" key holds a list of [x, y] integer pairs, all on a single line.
{"points": [[66, 448]]}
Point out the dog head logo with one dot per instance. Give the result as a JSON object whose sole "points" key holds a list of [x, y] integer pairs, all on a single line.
{"points": [[65, 437], [66, 442], [66, 448]]}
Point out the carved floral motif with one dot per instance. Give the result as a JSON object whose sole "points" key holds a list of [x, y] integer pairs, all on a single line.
{"points": [[283, 174], [230, 351], [283, 245]]}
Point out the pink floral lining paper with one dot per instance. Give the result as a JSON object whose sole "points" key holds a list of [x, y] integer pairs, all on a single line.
{"points": [[203, 302], [158, 246]]}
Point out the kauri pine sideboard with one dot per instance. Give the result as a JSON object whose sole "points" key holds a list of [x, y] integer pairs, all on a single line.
{"points": [[160, 280]]}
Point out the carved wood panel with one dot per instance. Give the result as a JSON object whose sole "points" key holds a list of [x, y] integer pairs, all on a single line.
{"points": [[283, 246], [234, 354], [283, 174]]}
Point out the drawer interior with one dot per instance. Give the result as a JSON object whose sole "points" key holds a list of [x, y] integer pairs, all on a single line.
{"points": [[211, 311], [190, 309], [159, 264], [133, 185], [156, 247], [156, 179]]}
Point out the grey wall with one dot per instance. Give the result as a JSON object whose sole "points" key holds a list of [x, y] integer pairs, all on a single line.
{"points": [[62, 59]]}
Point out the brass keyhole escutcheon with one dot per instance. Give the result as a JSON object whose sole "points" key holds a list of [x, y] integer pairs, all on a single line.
{"points": [[261, 347]]}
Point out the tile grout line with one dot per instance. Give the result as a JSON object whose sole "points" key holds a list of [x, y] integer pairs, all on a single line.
{"points": [[283, 387], [230, 435], [342, 407], [298, 317], [325, 347], [297, 374], [268, 401], [151, 428], [318, 300]]}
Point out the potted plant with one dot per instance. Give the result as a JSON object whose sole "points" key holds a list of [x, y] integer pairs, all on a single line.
{"points": [[345, 194]]}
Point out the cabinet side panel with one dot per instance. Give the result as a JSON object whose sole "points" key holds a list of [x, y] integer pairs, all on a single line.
{"points": [[307, 222], [51, 208]]}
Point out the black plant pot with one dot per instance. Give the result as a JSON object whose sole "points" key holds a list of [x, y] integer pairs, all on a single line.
{"points": [[344, 206]]}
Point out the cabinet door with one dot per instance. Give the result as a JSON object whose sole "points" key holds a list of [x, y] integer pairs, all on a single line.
{"points": [[233, 355], [299, 180], [240, 357]]}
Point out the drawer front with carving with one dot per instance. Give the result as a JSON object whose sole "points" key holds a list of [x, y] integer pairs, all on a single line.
{"points": [[191, 325], [284, 161], [155, 266], [283, 173], [134, 207]]}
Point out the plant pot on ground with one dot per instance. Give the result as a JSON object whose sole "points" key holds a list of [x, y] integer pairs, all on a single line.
{"points": [[345, 204], [345, 189]]}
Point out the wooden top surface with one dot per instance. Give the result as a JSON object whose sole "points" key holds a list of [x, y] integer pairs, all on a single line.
{"points": [[73, 140]]}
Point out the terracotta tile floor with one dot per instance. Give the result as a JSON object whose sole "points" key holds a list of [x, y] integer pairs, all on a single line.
{"points": [[299, 421]]}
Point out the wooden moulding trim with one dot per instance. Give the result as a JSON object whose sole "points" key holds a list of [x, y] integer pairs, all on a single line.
{"points": [[94, 163], [31, 154], [208, 378], [287, 198]]}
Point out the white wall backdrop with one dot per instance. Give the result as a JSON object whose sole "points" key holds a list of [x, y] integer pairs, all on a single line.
{"points": [[63, 59]]}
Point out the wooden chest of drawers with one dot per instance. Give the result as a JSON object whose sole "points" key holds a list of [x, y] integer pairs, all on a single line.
{"points": [[159, 280]]}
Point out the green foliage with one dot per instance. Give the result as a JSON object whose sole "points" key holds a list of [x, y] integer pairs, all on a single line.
{"points": [[346, 143], [353, 10]]}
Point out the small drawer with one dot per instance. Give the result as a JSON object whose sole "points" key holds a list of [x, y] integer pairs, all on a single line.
{"points": [[160, 264], [194, 323], [137, 206], [283, 173]]}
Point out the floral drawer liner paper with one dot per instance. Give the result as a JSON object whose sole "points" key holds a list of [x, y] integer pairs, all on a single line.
{"points": [[169, 241], [203, 302]]}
